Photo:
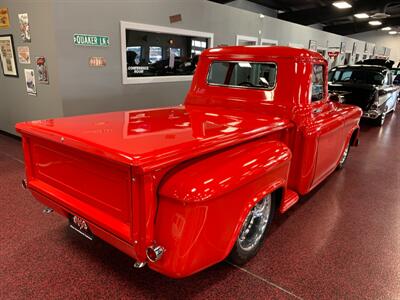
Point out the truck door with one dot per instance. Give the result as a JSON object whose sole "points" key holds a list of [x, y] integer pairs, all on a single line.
{"points": [[327, 125]]}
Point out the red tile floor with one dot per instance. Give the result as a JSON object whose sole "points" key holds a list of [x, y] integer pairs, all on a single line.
{"points": [[340, 242]]}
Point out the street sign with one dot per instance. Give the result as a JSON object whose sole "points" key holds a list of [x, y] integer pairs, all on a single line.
{"points": [[91, 40]]}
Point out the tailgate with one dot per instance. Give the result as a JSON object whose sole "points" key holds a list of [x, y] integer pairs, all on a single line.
{"points": [[97, 189]]}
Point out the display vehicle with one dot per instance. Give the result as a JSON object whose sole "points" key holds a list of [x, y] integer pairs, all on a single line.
{"points": [[370, 87], [183, 188]]}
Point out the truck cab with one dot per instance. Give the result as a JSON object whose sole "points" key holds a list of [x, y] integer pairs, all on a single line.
{"points": [[182, 188]]}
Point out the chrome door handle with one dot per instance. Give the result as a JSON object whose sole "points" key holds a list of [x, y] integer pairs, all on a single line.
{"points": [[317, 110]]}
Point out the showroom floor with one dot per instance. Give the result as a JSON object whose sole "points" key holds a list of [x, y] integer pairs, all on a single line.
{"points": [[343, 241]]}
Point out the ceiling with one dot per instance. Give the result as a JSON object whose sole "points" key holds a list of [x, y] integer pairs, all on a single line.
{"points": [[332, 19]]}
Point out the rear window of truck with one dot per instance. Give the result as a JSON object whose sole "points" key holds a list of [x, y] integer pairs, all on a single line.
{"points": [[243, 74]]}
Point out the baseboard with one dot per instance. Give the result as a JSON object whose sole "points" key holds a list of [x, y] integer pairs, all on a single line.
{"points": [[13, 136]]}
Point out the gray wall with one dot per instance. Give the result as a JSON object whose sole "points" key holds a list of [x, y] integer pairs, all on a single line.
{"points": [[15, 104], [75, 88]]}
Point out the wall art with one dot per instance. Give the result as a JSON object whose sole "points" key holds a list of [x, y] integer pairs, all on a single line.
{"points": [[7, 56], [24, 27], [24, 56], [30, 82], [41, 68], [4, 18]]}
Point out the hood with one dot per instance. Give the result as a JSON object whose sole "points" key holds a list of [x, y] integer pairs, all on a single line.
{"points": [[361, 95], [153, 138]]}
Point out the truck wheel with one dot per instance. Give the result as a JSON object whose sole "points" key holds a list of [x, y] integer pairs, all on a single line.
{"points": [[253, 231], [344, 157]]}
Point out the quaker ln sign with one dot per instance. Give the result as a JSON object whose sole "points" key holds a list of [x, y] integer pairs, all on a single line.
{"points": [[91, 40]]}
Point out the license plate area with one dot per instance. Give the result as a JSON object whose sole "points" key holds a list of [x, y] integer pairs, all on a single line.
{"points": [[81, 226]]}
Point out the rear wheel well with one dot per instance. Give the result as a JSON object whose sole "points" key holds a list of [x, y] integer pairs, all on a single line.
{"points": [[353, 139]]}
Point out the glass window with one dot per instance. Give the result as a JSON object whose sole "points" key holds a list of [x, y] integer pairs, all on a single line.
{"points": [[158, 54], [318, 83], [359, 76], [243, 74], [176, 51]]}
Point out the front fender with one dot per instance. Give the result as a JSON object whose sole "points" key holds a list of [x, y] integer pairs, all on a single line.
{"points": [[203, 204]]}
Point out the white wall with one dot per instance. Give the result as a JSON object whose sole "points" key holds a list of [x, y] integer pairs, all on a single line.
{"points": [[382, 38], [253, 7]]}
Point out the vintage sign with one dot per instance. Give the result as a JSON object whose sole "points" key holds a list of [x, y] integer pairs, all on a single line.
{"points": [[96, 61], [91, 40], [4, 18], [333, 54], [175, 18]]}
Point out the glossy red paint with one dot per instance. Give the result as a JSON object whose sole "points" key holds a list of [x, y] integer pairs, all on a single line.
{"points": [[185, 177]]}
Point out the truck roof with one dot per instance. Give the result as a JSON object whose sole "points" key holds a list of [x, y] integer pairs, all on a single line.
{"points": [[247, 52]]}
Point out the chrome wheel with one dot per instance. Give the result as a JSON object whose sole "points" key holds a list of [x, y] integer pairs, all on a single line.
{"points": [[344, 156], [255, 224]]}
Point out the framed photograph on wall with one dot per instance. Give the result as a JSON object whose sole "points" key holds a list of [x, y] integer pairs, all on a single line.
{"points": [[7, 56], [312, 45]]}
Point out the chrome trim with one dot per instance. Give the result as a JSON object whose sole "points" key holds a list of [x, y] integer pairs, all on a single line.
{"points": [[24, 184], [158, 251], [139, 264], [82, 233], [47, 210], [255, 224]]}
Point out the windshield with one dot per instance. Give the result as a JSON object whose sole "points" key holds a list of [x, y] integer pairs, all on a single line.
{"points": [[356, 76]]}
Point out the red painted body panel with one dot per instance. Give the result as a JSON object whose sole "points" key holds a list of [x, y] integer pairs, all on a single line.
{"points": [[185, 177]]}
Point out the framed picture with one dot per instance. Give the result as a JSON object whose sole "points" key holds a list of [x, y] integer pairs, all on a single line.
{"points": [[312, 45], [342, 47], [4, 18], [24, 56], [7, 55], [30, 82]]}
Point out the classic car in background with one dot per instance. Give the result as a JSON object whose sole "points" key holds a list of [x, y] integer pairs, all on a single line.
{"points": [[367, 86], [376, 62]]}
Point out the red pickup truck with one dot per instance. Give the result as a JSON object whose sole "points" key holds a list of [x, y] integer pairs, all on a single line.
{"points": [[182, 188]]}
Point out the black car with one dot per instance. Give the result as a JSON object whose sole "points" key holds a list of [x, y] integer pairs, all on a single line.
{"points": [[367, 86]]}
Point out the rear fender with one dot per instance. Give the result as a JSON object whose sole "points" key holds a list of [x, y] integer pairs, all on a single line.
{"points": [[202, 205]]}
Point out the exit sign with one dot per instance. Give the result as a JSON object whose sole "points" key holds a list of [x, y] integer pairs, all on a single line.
{"points": [[91, 40]]}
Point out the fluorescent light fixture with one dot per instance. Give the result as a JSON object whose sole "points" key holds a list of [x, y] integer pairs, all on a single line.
{"points": [[392, 32], [375, 23], [361, 16], [341, 4], [386, 28]]}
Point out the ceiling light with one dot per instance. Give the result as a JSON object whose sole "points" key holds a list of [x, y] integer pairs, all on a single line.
{"points": [[341, 4], [392, 32], [386, 28], [361, 16], [375, 23]]}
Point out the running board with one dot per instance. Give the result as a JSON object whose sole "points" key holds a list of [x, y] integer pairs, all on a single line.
{"points": [[290, 198]]}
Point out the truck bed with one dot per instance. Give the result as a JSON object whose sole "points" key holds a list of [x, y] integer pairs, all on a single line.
{"points": [[152, 138]]}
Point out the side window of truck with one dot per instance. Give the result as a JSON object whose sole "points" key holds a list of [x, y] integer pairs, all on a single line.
{"points": [[243, 74], [317, 83]]}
